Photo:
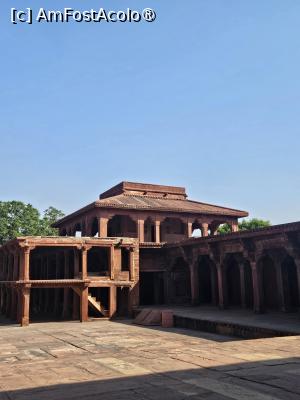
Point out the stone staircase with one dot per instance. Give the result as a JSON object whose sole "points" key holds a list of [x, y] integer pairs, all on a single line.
{"points": [[94, 303], [148, 317]]}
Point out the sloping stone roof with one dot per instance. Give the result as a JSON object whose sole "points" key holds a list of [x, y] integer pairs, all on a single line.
{"points": [[146, 197], [156, 203]]}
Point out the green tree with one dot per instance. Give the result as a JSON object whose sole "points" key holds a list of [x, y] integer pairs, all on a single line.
{"points": [[50, 216], [20, 219], [253, 223], [245, 225]]}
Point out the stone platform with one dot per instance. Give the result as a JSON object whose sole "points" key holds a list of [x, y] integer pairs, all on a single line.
{"points": [[121, 361], [235, 322]]}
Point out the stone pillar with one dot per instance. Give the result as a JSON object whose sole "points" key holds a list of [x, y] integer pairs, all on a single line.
{"points": [[25, 262], [242, 285], [222, 287], [84, 262], [65, 311], [75, 309], [13, 305], [84, 305], [56, 290], [47, 293], [8, 302], [133, 298], [24, 304], [112, 263], [16, 266], [280, 284], [76, 264], [204, 229], [194, 284], [234, 226], [214, 285], [112, 301], [189, 229], [157, 231], [257, 288], [141, 230], [102, 224], [297, 262], [131, 266]]}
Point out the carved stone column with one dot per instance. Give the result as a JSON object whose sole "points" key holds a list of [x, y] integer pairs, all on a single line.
{"points": [[141, 230], [280, 285], [84, 305], [133, 298], [222, 286], [24, 304], [84, 262], [194, 283], [112, 301], [25, 262], [131, 266], [257, 288], [157, 231], [102, 227], [56, 290], [242, 284], [297, 262], [112, 263], [214, 285], [234, 226], [76, 264], [66, 300], [75, 308], [189, 229], [204, 229]]}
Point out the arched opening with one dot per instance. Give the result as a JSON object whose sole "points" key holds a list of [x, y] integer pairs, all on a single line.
{"points": [[122, 226], [248, 285], [94, 227], [149, 230], [208, 284], [233, 281], [180, 282], [172, 229], [290, 283], [196, 229], [269, 284]]}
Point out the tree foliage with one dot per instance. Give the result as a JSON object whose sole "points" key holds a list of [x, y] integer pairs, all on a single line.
{"points": [[245, 225], [20, 219]]}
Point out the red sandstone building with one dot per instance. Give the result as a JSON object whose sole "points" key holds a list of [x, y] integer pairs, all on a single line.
{"points": [[135, 246]]}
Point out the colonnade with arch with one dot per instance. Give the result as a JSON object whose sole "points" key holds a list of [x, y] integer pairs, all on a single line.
{"points": [[148, 228], [271, 282]]}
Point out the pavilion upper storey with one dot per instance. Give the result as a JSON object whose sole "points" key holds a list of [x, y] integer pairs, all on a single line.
{"points": [[152, 213]]}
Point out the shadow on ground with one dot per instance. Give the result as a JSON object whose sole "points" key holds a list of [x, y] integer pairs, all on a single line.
{"points": [[264, 380]]}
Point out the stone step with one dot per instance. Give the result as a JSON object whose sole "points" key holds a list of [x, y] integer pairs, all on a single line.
{"points": [[148, 317], [97, 306]]}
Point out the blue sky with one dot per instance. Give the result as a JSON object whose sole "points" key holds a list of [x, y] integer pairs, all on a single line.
{"points": [[207, 97]]}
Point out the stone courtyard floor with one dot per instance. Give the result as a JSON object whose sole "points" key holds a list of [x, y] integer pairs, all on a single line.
{"points": [[117, 360]]}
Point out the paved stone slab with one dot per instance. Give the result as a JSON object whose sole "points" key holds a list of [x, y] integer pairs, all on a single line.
{"points": [[119, 360]]}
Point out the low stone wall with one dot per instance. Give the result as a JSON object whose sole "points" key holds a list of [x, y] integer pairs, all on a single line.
{"points": [[228, 329]]}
